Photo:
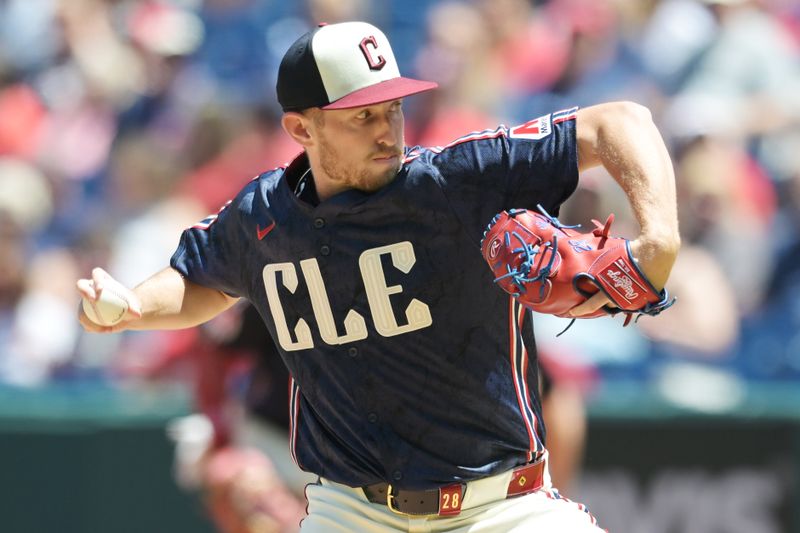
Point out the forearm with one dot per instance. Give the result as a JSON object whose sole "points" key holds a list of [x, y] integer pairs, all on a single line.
{"points": [[171, 302]]}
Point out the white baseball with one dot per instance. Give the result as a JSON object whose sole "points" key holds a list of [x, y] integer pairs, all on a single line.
{"points": [[110, 308]]}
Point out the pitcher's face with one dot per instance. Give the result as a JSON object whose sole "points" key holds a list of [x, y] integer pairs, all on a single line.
{"points": [[359, 148]]}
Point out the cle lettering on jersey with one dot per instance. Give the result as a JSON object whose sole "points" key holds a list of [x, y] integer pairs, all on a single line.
{"points": [[418, 314]]}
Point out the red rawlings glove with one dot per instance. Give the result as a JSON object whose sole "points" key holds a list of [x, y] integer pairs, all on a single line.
{"points": [[551, 268]]}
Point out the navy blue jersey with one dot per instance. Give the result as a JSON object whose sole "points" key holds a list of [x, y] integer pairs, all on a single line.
{"points": [[409, 365]]}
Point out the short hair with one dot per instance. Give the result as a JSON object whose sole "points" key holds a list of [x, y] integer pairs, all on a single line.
{"points": [[315, 114]]}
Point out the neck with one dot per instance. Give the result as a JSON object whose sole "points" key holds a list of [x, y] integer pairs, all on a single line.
{"points": [[326, 188], [324, 185]]}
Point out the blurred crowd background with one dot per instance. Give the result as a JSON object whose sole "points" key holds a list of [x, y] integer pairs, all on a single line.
{"points": [[124, 121]]}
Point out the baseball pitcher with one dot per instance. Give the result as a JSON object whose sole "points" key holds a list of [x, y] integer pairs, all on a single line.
{"points": [[413, 390]]}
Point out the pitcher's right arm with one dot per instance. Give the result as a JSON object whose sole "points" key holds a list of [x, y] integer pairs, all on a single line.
{"points": [[166, 300]]}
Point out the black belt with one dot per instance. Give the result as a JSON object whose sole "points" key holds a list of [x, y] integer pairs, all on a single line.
{"points": [[446, 501]]}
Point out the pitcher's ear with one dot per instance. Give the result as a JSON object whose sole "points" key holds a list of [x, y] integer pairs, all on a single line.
{"points": [[297, 126]]}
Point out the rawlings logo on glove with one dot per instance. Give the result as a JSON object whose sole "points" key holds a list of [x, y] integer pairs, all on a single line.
{"points": [[551, 268]]}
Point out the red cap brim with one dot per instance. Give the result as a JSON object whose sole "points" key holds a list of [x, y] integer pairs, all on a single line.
{"points": [[382, 92]]}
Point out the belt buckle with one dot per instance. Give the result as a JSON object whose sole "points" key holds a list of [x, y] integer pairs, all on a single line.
{"points": [[390, 502]]}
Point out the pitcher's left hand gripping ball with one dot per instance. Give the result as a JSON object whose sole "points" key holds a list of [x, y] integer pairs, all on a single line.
{"points": [[551, 268]]}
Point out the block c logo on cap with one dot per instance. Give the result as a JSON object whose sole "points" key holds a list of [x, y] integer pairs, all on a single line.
{"points": [[373, 65]]}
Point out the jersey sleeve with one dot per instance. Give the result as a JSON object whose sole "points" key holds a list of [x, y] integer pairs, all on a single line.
{"points": [[210, 252], [519, 167]]}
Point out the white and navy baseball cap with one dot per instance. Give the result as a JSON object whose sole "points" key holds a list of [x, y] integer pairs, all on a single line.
{"points": [[339, 66]]}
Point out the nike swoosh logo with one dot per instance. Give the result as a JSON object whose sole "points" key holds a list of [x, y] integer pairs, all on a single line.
{"points": [[263, 232]]}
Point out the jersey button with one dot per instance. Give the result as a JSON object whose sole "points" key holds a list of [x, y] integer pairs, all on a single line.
{"points": [[372, 417], [325, 249], [319, 223], [352, 351], [397, 475]]}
